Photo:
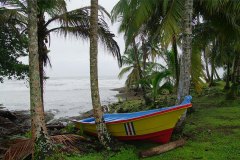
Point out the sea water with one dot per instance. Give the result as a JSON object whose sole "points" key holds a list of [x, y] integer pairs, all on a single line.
{"points": [[65, 96]]}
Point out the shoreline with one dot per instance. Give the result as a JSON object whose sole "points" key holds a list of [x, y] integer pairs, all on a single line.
{"points": [[121, 93], [15, 122]]}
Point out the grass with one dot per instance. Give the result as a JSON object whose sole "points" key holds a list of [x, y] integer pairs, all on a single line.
{"points": [[212, 132]]}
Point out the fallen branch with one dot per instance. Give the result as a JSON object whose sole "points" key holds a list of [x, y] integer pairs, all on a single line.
{"points": [[24, 147], [58, 127], [163, 148]]}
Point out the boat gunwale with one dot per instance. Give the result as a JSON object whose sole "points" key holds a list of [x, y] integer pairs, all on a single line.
{"points": [[145, 116]]}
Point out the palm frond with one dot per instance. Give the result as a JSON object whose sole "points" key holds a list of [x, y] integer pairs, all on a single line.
{"points": [[132, 79], [20, 150], [24, 147], [197, 74], [107, 39], [52, 7], [75, 17], [13, 16], [171, 22], [138, 16], [129, 58], [119, 9], [158, 77], [124, 71], [21, 5], [77, 23], [77, 32]]}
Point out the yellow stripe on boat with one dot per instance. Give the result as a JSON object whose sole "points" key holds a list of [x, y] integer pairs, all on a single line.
{"points": [[148, 126]]}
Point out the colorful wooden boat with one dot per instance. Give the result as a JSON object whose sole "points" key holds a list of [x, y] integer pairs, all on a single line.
{"points": [[155, 125]]}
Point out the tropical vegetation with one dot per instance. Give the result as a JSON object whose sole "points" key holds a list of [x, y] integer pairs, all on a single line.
{"points": [[157, 27], [173, 48], [12, 47]]}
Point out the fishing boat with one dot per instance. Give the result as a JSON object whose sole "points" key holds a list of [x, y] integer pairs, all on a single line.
{"points": [[155, 125]]}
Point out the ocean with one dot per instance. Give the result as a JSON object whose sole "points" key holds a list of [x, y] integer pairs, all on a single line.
{"points": [[65, 97]]}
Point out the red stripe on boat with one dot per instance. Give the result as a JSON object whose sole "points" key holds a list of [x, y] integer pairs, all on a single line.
{"points": [[161, 136]]}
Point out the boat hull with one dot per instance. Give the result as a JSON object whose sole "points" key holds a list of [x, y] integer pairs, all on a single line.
{"points": [[156, 127]]}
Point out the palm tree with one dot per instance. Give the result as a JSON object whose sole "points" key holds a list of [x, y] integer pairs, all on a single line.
{"points": [[74, 23], [157, 18], [154, 19], [42, 142], [103, 135], [220, 33], [156, 76], [185, 72], [140, 72], [128, 60], [140, 15]]}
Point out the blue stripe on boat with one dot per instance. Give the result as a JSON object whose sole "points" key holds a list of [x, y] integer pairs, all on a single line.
{"points": [[125, 116]]}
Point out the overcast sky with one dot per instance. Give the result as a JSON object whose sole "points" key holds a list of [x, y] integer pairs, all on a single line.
{"points": [[70, 57]]}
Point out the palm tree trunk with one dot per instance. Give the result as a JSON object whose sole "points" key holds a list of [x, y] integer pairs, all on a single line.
{"points": [[236, 69], [144, 50], [42, 144], [184, 79], [174, 45], [235, 88], [217, 75], [103, 135], [236, 78], [206, 65], [212, 72], [237, 72], [41, 50], [227, 86], [212, 61], [234, 65], [146, 99]]}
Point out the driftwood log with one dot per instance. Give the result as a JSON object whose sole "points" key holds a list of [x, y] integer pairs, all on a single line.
{"points": [[163, 148], [58, 127]]}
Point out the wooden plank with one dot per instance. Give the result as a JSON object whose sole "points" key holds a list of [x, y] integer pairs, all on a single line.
{"points": [[162, 148]]}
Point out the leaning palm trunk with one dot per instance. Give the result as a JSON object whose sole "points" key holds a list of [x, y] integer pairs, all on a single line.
{"points": [[227, 86], [146, 99], [206, 65], [211, 83], [40, 136], [174, 46], [41, 50], [145, 54], [184, 79], [236, 72], [103, 135], [217, 75], [235, 88]]}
